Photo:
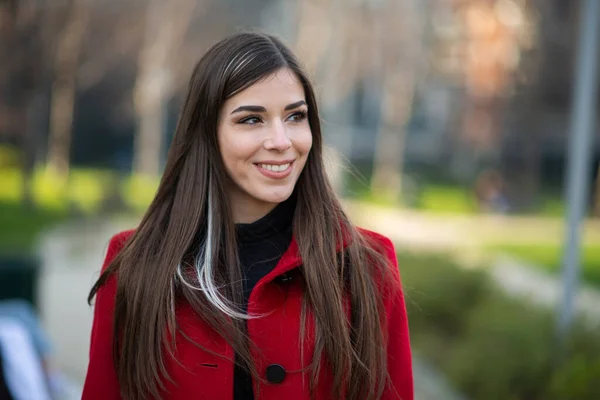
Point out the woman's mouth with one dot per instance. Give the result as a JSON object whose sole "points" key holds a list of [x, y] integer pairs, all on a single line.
{"points": [[275, 170]]}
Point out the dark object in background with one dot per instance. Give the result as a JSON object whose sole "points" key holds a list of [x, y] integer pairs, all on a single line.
{"points": [[18, 280], [19, 277], [4, 393]]}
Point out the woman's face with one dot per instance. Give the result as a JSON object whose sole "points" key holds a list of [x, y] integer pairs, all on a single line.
{"points": [[264, 138]]}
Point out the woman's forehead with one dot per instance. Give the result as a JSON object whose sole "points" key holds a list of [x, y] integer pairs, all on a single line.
{"points": [[280, 88]]}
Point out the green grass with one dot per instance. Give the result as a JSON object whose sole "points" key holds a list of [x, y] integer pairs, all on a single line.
{"points": [[20, 227], [489, 345], [85, 190], [549, 257], [429, 193], [552, 206], [436, 198], [446, 199], [85, 193]]}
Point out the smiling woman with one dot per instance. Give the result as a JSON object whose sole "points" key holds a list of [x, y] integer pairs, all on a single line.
{"points": [[265, 138], [245, 278]]}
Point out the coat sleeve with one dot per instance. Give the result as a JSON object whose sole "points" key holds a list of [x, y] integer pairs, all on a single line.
{"points": [[398, 346], [101, 381]]}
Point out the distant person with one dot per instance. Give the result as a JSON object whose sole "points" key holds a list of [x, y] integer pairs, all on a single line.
{"points": [[245, 279], [489, 191], [22, 372], [26, 356]]}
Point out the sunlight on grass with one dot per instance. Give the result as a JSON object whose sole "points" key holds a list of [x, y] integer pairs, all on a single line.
{"points": [[138, 191], [440, 199], [86, 189], [49, 191], [11, 185]]}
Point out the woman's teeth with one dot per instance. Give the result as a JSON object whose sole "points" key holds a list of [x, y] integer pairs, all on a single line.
{"points": [[275, 168]]}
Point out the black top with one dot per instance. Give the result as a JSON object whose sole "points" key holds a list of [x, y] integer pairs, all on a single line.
{"points": [[260, 246]]}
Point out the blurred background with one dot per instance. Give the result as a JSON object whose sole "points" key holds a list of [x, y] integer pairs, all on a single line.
{"points": [[448, 125]]}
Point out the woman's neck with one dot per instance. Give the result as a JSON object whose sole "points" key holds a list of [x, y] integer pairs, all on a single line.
{"points": [[249, 213]]}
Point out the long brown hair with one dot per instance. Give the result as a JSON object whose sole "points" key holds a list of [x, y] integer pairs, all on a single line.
{"points": [[190, 218]]}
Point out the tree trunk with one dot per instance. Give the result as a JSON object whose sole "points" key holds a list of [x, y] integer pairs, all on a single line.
{"points": [[398, 90], [150, 90], [28, 162], [151, 121], [64, 88], [596, 208], [25, 65], [61, 123], [398, 93], [166, 26], [31, 135]]}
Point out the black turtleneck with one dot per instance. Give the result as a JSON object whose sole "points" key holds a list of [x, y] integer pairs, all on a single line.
{"points": [[260, 246]]}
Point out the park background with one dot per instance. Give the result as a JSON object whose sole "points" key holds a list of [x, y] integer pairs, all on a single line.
{"points": [[450, 127]]}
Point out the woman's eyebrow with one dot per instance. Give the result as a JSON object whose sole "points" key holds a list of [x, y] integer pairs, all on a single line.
{"points": [[295, 105], [249, 108], [260, 109]]}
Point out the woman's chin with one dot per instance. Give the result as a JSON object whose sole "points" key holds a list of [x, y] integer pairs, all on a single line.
{"points": [[276, 197]]}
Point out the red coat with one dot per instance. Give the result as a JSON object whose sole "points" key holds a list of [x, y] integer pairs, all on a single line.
{"points": [[201, 375]]}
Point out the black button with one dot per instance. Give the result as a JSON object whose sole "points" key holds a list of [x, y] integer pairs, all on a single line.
{"points": [[275, 373]]}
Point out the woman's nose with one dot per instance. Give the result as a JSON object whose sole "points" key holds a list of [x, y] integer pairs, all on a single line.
{"points": [[278, 138]]}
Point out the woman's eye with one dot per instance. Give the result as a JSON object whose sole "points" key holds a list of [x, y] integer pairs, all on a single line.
{"points": [[251, 120], [297, 116]]}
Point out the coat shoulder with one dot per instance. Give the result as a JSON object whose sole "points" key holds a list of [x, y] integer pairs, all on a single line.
{"points": [[119, 239], [385, 247], [116, 244], [376, 237], [379, 242]]}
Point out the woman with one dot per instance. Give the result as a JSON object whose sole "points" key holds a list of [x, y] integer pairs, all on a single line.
{"points": [[245, 279]]}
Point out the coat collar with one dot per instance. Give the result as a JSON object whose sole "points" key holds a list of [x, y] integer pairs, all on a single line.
{"points": [[292, 259]]}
